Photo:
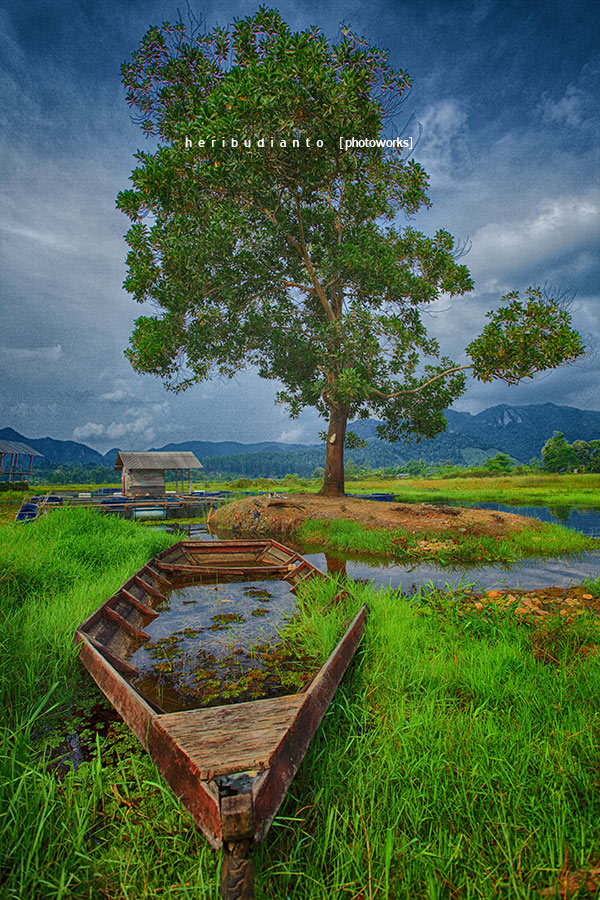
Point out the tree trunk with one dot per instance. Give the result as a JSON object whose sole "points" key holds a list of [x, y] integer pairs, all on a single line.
{"points": [[333, 484]]}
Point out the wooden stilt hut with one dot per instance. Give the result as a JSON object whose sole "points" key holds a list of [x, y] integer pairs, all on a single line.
{"points": [[11, 469], [143, 473]]}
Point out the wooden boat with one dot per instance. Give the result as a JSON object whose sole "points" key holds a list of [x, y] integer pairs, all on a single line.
{"points": [[230, 765]]}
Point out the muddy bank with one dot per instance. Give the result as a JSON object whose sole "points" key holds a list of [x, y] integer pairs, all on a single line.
{"points": [[283, 515]]}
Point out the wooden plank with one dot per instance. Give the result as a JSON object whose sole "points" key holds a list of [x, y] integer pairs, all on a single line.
{"points": [[231, 717], [181, 774], [108, 633], [251, 571], [142, 607], [148, 588], [125, 625], [121, 665], [270, 788], [225, 546], [149, 570], [229, 556], [238, 738], [237, 816], [299, 580], [263, 553], [127, 702]]}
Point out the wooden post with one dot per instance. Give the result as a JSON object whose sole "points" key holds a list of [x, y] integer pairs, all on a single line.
{"points": [[237, 823], [189, 481], [237, 871]]}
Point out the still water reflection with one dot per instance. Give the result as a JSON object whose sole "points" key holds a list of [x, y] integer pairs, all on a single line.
{"points": [[527, 574]]}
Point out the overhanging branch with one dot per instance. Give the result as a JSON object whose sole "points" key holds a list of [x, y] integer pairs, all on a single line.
{"points": [[421, 386]]}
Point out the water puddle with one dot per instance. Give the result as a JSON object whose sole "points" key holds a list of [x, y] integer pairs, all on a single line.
{"points": [[585, 519], [219, 643], [526, 574]]}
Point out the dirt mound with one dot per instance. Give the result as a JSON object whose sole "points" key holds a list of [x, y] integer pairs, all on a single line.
{"points": [[283, 515]]}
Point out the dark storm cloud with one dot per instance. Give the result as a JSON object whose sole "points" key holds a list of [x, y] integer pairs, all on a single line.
{"points": [[505, 94]]}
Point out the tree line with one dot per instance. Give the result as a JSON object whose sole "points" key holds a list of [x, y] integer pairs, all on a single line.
{"points": [[580, 456]]}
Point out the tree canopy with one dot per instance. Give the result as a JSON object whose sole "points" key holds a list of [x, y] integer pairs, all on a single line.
{"points": [[263, 239], [580, 456]]}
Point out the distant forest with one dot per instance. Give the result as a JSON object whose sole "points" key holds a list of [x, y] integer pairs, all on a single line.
{"points": [[277, 464], [518, 431]]}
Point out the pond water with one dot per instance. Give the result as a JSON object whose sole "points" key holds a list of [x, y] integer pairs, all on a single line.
{"points": [[219, 643], [583, 519], [527, 574]]}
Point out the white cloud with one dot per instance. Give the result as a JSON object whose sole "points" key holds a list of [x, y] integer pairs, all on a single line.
{"points": [[144, 411], [140, 427], [294, 435], [572, 109], [443, 148], [47, 238], [115, 396], [557, 226], [31, 354], [91, 429]]}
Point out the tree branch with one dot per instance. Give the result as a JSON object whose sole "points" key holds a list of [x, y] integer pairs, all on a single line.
{"points": [[326, 400], [301, 287], [303, 250], [421, 386]]}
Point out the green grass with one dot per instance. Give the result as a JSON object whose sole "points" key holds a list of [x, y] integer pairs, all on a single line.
{"points": [[451, 763], [53, 573], [443, 547], [514, 490]]}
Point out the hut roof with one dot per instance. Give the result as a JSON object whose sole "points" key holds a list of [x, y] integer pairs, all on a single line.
{"points": [[182, 459], [18, 447]]}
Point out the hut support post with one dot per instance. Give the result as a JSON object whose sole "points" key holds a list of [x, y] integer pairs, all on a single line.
{"points": [[237, 823], [189, 481]]}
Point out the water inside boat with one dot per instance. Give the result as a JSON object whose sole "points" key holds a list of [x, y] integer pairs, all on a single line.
{"points": [[217, 643]]}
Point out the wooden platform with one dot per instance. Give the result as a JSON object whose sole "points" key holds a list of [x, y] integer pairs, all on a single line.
{"points": [[239, 738]]}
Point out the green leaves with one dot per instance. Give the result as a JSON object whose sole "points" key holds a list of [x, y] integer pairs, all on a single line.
{"points": [[524, 337]]}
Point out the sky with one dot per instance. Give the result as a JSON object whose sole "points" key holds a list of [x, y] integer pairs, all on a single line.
{"points": [[505, 95]]}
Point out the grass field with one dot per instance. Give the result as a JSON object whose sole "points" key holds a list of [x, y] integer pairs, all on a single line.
{"points": [[453, 762], [443, 547], [514, 490]]}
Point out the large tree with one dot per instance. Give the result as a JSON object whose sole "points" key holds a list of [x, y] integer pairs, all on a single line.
{"points": [[272, 243]]}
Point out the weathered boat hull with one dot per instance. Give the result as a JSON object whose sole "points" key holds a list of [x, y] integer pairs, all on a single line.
{"points": [[230, 765]]}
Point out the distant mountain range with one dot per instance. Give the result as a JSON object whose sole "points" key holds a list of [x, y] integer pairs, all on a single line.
{"points": [[55, 451], [520, 431]]}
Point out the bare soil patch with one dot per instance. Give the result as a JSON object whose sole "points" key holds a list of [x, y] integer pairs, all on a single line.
{"points": [[283, 515]]}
